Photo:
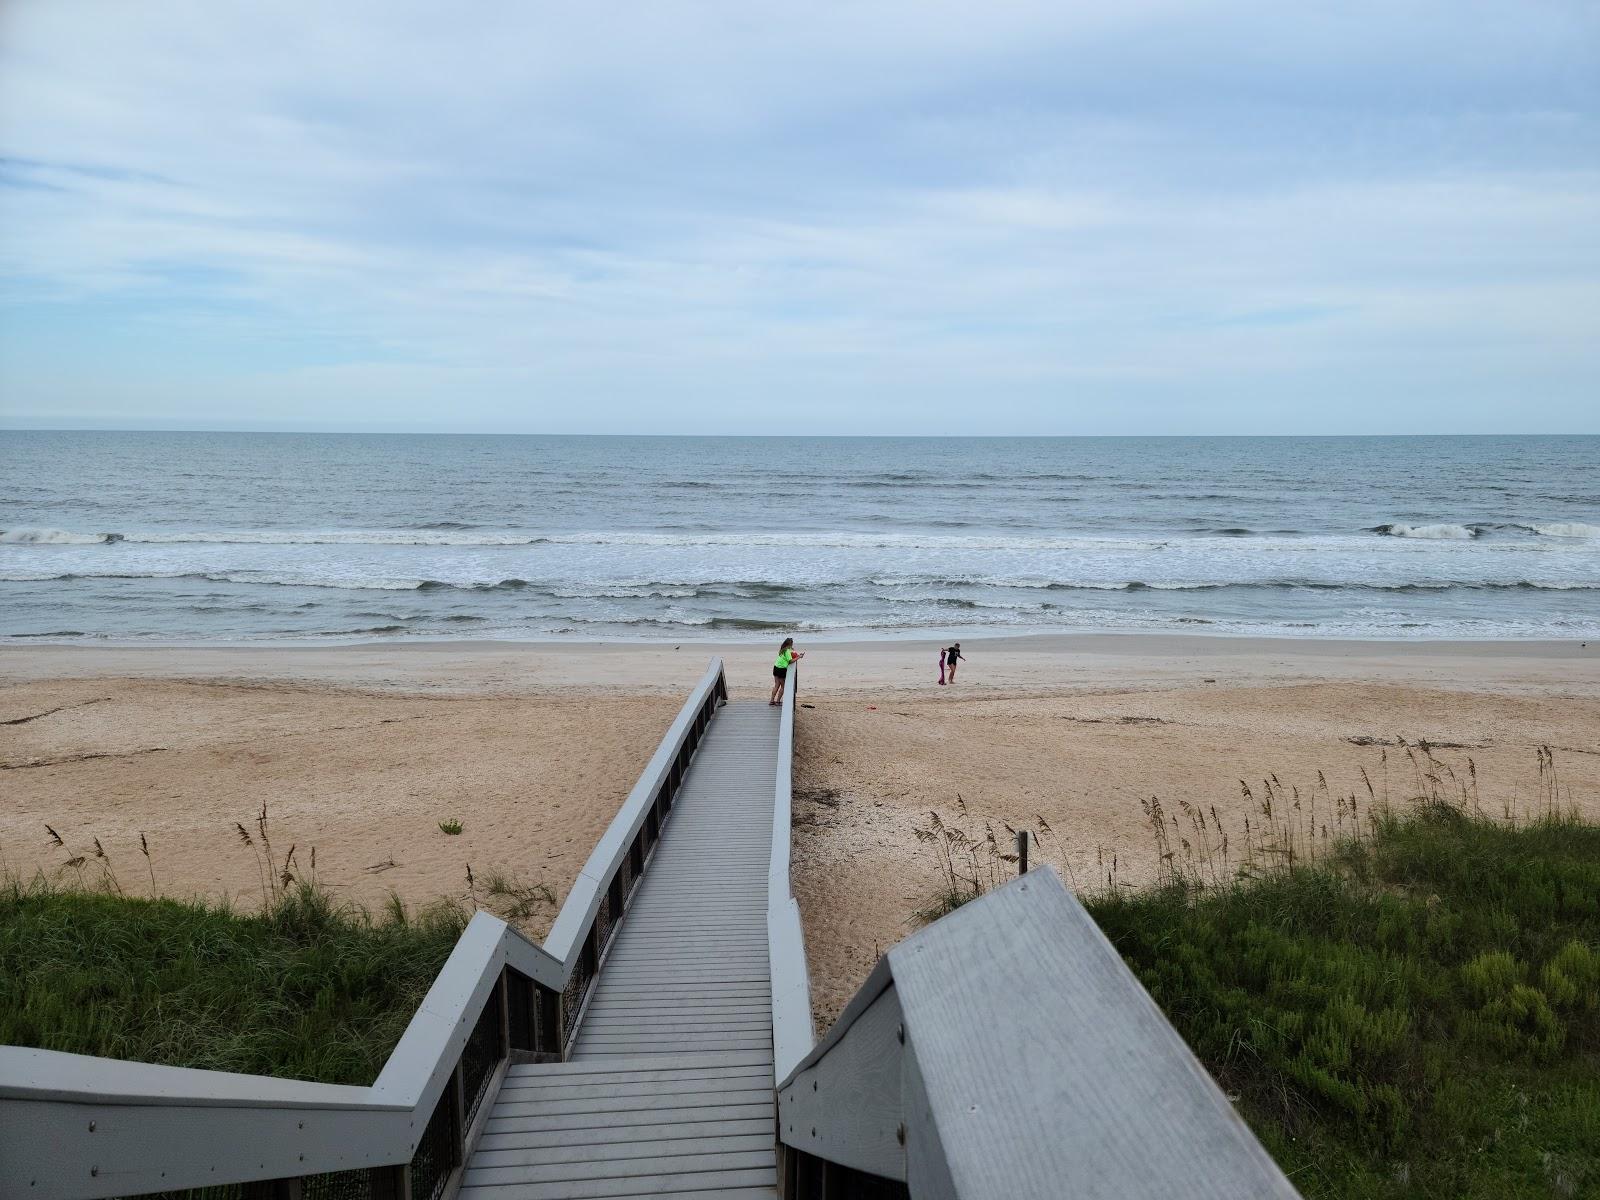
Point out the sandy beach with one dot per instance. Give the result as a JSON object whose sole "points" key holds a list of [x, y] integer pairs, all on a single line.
{"points": [[360, 751]]}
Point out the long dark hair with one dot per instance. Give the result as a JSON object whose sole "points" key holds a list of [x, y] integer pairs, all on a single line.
{"points": [[787, 642]]}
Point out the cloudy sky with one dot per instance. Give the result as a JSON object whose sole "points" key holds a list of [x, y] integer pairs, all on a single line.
{"points": [[881, 217]]}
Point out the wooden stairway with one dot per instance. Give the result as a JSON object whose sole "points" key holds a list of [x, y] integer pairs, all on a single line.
{"points": [[668, 1090]]}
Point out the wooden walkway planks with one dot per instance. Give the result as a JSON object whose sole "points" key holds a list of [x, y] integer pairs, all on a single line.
{"points": [[669, 1090]]}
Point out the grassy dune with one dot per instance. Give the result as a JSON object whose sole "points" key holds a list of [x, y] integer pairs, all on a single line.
{"points": [[1417, 1014], [308, 990]]}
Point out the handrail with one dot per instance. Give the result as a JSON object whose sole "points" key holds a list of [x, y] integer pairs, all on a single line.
{"points": [[792, 1030], [1006, 1051], [76, 1127]]}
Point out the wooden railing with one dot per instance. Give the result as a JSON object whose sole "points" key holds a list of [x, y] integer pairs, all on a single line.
{"points": [[1006, 1051], [74, 1127], [793, 1033]]}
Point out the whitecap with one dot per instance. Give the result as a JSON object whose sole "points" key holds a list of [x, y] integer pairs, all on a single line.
{"points": [[1567, 529], [1439, 532], [53, 537]]}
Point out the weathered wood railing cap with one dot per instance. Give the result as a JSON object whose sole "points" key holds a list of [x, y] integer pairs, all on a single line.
{"points": [[1007, 1051]]}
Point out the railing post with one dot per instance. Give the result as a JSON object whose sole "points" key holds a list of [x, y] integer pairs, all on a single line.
{"points": [[458, 1115], [550, 1039], [505, 1012]]}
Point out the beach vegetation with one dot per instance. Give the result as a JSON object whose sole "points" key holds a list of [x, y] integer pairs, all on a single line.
{"points": [[1398, 986], [452, 826], [515, 900], [1415, 1014], [299, 984], [307, 988]]}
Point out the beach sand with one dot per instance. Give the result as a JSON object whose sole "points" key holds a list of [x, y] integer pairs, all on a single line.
{"points": [[360, 751], [362, 778]]}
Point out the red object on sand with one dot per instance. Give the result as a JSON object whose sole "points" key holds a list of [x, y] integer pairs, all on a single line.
{"points": [[941, 668], [872, 708]]}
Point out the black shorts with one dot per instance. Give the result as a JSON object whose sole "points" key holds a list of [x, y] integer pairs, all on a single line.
{"points": [[779, 672]]}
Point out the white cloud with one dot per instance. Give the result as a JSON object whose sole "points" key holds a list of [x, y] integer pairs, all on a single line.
{"points": [[556, 215]]}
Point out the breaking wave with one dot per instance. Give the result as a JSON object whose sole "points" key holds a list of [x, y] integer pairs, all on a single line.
{"points": [[54, 537], [1443, 533], [1566, 529]]}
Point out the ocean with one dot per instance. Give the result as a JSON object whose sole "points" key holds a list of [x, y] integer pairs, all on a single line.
{"points": [[251, 537]]}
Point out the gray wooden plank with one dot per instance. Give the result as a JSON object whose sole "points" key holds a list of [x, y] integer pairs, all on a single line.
{"points": [[665, 1027], [626, 1135], [682, 1002], [701, 1161], [616, 983], [662, 1023], [638, 1185], [616, 1054], [651, 1148], [667, 959], [688, 1039], [623, 1119], [686, 981], [724, 935], [702, 1060], [648, 1103], [682, 999], [628, 1086]]}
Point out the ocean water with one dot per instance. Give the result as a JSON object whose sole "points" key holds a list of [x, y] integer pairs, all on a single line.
{"points": [[192, 537]]}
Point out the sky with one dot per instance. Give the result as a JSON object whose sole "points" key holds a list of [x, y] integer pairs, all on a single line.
{"points": [[886, 217]]}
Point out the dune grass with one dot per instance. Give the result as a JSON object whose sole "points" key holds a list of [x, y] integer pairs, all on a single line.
{"points": [[308, 989], [1416, 1014]]}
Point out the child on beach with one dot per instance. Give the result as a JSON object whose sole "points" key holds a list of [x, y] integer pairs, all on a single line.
{"points": [[951, 657], [780, 670]]}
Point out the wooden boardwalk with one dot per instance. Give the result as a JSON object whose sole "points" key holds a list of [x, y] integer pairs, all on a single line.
{"points": [[669, 1087]]}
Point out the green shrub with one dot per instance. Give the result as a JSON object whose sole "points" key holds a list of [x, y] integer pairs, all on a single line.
{"points": [[1490, 976], [1572, 978]]}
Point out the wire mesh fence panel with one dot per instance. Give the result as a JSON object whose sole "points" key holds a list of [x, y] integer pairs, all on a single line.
{"points": [[522, 1015], [811, 1177], [572, 997], [605, 921], [626, 875], [482, 1054], [436, 1154], [363, 1184]]}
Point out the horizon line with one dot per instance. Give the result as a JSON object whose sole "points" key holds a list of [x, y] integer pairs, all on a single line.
{"points": [[348, 432]]}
